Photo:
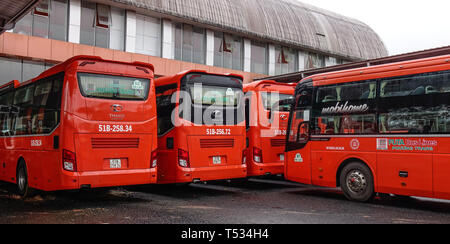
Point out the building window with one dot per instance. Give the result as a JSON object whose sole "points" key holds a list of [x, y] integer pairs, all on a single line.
{"points": [[16, 69], [95, 24], [190, 43], [228, 51], [48, 20], [286, 60], [314, 61], [148, 35], [117, 33], [259, 55]]}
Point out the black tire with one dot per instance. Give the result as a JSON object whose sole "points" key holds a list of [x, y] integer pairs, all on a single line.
{"points": [[23, 188], [356, 181]]}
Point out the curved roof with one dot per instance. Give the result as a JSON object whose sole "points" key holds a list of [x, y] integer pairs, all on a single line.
{"points": [[285, 21]]}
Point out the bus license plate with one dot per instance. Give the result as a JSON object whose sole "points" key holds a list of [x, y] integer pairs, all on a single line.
{"points": [[115, 163], [217, 160]]}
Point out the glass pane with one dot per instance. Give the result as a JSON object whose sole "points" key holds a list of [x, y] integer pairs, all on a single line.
{"points": [[213, 95], [32, 70], [113, 87], [24, 26], [259, 58], [199, 45], [11, 69], [271, 101], [178, 41], [40, 26], [187, 48], [87, 30], [58, 20]]}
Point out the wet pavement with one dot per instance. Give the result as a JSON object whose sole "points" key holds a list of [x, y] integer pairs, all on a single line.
{"points": [[259, 201]]}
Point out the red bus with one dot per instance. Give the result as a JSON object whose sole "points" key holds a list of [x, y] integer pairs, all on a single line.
{"points": [[84, 123], [201, 127], [380, 129], [266, 127]]}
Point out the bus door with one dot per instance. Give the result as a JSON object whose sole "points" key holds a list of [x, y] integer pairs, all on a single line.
{"points": [[298, 151]]}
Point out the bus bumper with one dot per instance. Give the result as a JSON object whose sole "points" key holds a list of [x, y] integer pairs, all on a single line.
{"points": [[188, 175], [257, 169], [96, 179]]}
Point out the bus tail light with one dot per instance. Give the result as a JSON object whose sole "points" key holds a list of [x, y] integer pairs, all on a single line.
{"points": [[183, 158], [154, 160], [69, 161], [257, 155]]}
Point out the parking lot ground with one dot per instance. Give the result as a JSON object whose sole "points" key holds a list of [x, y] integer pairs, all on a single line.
{"points": [[254, 201]]}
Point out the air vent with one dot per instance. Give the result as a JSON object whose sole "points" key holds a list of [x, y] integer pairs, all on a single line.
{"points": [[105, 143], [216, 143]]}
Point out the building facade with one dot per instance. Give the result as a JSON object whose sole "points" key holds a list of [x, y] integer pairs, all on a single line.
{"points": [[254, 38]]}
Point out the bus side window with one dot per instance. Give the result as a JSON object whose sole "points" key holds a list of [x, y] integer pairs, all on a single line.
{"points": [[415, 104], [5, 106], [23, 99]]}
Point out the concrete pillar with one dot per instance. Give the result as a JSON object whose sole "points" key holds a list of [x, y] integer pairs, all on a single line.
{"points": [[130, 36], [210, 47], [167, 40], [74, 21], [247, 55]]}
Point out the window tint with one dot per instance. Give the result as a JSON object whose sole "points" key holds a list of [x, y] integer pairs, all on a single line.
{"points": [[416, 104], [165, 107], [347, 92], [32, 109], [346, 124], [423, 84], [276, 101], [113, 87], [6, 100]]}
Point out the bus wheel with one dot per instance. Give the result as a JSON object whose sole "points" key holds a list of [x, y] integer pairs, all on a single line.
{"points": [[23, 188], [357, 182]]}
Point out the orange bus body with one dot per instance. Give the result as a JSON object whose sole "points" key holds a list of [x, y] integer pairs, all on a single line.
{"points": [[266, 128], [186, 152], [95, 142], [391, 119]]}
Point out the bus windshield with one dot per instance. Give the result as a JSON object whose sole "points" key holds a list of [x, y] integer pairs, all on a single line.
{"points": [[277, 102], [113, 87], [214, 95]]}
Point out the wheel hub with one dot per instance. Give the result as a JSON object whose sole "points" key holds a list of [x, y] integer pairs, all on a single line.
{"points": [[356, 181]]}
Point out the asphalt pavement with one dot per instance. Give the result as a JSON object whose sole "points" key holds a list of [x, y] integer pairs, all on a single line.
{"points": [[254, 201]]}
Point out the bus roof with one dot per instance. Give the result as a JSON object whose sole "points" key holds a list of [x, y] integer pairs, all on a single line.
{"points": [[269, 85], [380, 71], [169, 79], [62, 66]]}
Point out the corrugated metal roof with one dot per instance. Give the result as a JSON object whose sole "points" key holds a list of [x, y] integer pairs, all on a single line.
{"points": [[285, 21], [12, 11]]}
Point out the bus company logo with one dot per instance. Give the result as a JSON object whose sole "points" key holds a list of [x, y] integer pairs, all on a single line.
{"points": [[354, 144], [345, 108], [382, 144], [298, 158], [116, 108], [283, 117]]}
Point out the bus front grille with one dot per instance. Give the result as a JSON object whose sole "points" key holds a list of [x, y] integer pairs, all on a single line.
{"points": [[216, 143], [277, 142], [104, 143]]}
